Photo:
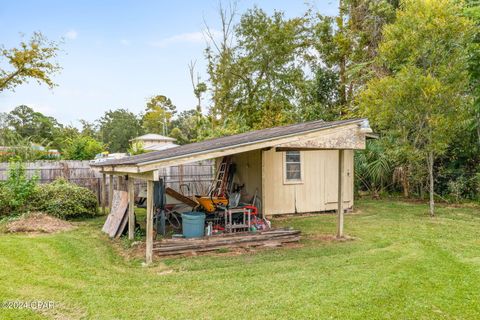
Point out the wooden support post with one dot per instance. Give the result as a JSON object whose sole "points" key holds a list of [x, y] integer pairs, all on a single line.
{"points": [[120, 183], [104, 192], [341, 169], [263, 185], [131, 208], [149, 240], [110, 192]]}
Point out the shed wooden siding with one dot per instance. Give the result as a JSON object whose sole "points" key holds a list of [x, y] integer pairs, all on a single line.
{"points": [[249, 172], [317, 192]]}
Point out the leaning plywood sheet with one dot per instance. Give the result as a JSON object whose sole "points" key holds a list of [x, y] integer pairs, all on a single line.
{"points": [[115, 219], [123, 224]]}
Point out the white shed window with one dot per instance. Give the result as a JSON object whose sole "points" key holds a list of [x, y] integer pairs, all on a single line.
{"points": [[293, 167]]}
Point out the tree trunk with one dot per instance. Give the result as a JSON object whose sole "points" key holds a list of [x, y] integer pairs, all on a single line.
{"points": [[342, 64], [430, 174]]}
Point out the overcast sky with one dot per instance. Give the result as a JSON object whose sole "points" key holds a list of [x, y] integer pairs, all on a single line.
{"points": [[119, 53]]}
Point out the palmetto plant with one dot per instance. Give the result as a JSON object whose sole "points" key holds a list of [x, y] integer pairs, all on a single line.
{"points": [[373, 168]]}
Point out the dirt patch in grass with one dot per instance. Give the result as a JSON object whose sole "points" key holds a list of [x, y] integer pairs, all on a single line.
{"points": [[134, 250], [38, 222]]}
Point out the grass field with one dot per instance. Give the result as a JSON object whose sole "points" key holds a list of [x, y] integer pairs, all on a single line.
{"points": [[401, 265]]}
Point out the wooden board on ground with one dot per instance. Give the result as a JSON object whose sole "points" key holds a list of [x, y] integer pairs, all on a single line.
{"points": [[267, 238], [118, 213]]}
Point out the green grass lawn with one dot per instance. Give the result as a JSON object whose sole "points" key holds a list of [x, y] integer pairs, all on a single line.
{"points": [[401, 265]]}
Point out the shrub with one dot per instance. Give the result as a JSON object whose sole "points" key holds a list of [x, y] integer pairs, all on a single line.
{"points": [[65, 200], [17, 189]]}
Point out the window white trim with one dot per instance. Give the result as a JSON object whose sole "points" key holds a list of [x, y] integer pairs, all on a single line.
{"points": [[284, 161]]}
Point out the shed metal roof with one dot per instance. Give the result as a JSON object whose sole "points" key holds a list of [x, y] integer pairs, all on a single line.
{"points": [[226, 142]]}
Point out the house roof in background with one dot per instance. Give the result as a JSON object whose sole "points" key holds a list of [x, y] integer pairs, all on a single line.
{"points": [[159, 147], [242, 139], [153, 136]]}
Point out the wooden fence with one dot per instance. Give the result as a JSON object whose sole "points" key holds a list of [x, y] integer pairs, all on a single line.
{"points": [[188, 179]]}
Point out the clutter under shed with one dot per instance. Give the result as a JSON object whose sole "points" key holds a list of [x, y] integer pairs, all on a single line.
{"points": [[300, 168]]}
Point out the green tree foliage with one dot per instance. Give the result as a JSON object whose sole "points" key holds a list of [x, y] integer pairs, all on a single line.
{"points": [[117, 127], [33, 59], [268, 70], [270, 79], [27, 123], [136, 147], [158, 115], [321, 100], [257, 82], [424, 99], [7, 135], [82, 148], [17, 189], [88, 129], [23, 127], [187, 126], [472, 10], [347, 44]]}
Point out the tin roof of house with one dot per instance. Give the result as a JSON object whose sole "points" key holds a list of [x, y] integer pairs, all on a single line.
{"points": [[153, 136]]}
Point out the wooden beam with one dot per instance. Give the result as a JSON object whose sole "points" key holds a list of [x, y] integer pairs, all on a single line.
{"points": [[131, 208], [282, 149], [341, 169], [150, 175], [149, 236], [110, 192], [104, 192]]}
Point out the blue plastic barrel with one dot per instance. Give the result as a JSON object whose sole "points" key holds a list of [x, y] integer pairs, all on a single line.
{"points": [[193, 224]]}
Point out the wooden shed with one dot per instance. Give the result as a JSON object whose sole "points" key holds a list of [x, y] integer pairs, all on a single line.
{"points": [[300, 168]]}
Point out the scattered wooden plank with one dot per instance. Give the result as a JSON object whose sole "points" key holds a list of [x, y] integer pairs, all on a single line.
{"points": [[269, 238], [221, 239], [228, 246], [234, 235]]}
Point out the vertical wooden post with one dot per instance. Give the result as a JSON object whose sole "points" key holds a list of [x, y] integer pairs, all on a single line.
{"points": [[149, 240], [131, 208], [110, 191], [263, 191], [341, 170], [104, 192], [120, 183]]}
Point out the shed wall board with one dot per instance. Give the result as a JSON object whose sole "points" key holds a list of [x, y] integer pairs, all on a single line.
{"points": [[249, 172], [317, 192]]}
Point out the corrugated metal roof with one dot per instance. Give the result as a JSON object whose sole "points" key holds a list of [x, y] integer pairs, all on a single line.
{"points": [[226, 142]]}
